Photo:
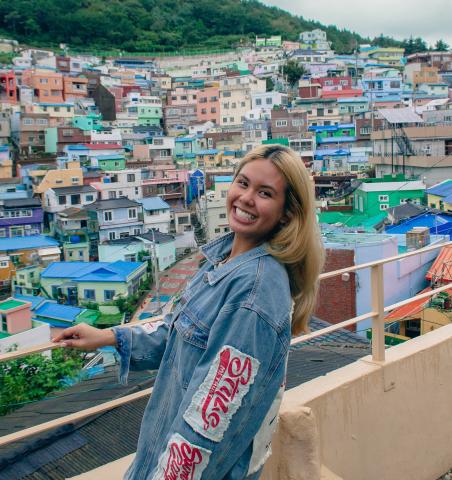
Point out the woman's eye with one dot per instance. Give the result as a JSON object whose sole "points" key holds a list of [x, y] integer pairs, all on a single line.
{"points": [[265, 193]]}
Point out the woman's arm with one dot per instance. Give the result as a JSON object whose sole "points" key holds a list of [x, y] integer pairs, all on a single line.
{"points": [[85, 337], [231, 391]]}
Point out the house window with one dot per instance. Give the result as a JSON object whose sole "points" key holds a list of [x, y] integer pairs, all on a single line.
{"points": [[130, 258], [281, 123], [112, 195], [4, 264], [217, 230], [226, 94], [74, 179], [16, 231], [136, 231], [2, 232], [124, 235], [384, 206], [111, 235], [89, 294], [108, 216], [222, 215], [75, 199], [137, 190], [132, 213], [258, 101], [109, 294], [130, 177], [89, 198], [4, 323], [383, 198], [268, 101], [61, 199], [54, 291]]}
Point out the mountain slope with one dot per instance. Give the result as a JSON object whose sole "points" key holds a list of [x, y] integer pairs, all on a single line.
{"points": [[154, 25]]}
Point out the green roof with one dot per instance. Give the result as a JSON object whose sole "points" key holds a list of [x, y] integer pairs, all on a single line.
{"points": [[87, 316], [279, 141], [4, 335], [352, 219], [10, 304]]}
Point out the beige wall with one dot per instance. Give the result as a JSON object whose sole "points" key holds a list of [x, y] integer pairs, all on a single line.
{"points": [[368, 421]]}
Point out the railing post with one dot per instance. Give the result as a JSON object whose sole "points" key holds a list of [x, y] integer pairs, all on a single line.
{"points": [[378, 323]]}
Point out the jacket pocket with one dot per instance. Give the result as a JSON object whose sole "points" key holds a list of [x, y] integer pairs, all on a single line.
{"points": [[191, 344]]}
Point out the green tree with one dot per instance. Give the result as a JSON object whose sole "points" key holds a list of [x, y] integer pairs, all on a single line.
{"points": [[414, 45], [32, 378], [441, 46], [269, 84], [292, 71]]}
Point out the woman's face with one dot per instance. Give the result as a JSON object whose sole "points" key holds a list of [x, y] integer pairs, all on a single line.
{"points": [[255, 202]]}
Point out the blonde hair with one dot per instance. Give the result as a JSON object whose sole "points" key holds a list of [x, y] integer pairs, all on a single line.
{"points": [[297, 244]]}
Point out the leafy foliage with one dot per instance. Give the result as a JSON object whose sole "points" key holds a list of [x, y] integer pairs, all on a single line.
{"points": [[156, 25], [31, 378], [414, 45], [293, 71], [441, 46]]}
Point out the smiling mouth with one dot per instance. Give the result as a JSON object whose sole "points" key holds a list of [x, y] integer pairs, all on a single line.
{"points": [[241, 214]]}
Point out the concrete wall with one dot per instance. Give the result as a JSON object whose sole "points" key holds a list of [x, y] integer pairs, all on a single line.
{"points": [[387, 421], [35, 336]]}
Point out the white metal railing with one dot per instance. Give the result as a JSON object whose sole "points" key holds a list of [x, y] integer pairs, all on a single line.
{"points": [[378, 338]]}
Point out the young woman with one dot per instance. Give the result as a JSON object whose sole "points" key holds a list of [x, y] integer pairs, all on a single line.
{"points": [[222, 352]]}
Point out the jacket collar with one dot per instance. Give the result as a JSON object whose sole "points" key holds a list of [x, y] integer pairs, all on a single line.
{"points": [[218, 249]]}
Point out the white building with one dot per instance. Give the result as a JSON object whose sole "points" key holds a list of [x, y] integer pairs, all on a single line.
{"points": [[78, 196], [265, 101], [156, 214], [106, 137], [120, 183], [212, 208]]}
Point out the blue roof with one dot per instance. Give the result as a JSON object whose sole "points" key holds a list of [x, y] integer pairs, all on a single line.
{"points": [[186, 139], [91, 271], [56, 104], [185, 155], [153, 203], [436, 223], [333, 152], [24, 243], [77, 147], [443, 189], [56, 311], [352, 100], [223, 178], [330, 128], [341, 139], [34, 300], [212, 151]]}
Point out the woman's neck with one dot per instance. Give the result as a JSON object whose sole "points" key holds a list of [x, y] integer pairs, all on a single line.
{"points": [[241, 245]]}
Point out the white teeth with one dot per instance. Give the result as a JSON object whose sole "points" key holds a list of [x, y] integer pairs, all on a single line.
{"points": [[242, 214]]}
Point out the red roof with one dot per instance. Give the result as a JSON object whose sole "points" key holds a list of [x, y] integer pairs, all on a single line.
{"points": [[442, 266], [344, 93], [408, 310], [412, 308], [102, 146]]}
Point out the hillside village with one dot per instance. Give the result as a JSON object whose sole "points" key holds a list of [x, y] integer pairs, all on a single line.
{"points": [[114, 170]]}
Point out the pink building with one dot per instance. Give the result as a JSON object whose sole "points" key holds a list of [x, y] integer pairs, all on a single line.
{"points": [[208, 105], [182, 96], [15, 316]]}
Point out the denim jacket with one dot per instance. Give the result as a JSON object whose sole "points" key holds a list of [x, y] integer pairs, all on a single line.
{"points": [[221, 356]]}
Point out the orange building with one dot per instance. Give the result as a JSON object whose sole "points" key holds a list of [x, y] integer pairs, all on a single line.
{"points": [[208, 105], [47, 85], [75, 87]]}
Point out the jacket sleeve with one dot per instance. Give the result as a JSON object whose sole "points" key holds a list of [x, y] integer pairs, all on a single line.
{"points": [[230, 393], [141, 347]]}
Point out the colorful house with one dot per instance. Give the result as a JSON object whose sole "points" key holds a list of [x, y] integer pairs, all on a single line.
{"points": [[21, 217], [100, 282], [440, 196], [376, 195], [109, 162]]}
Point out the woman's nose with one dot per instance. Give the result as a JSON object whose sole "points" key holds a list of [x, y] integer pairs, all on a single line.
{"points": [[248, 197]]}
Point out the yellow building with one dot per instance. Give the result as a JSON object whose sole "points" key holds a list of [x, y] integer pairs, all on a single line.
{"points": [[67, 177], [440, 196]]}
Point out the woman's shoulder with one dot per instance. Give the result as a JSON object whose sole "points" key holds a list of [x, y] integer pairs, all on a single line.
{"points": [[267, 287]]}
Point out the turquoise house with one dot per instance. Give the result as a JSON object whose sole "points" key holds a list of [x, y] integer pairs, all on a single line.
{"points": [[51, 139], [350, 106], [92, 121], [110, 162], [100, 282], [149, 115]]}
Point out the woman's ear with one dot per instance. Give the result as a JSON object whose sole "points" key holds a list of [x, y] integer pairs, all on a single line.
{"points": [[284, 220]]}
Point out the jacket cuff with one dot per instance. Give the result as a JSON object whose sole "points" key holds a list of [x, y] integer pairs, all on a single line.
{"points": [[124, 349]]}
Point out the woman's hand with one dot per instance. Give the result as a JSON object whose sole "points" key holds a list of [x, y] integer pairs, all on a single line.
{"points": [[85, 337]]}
